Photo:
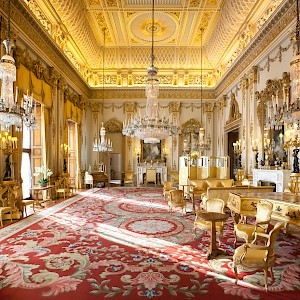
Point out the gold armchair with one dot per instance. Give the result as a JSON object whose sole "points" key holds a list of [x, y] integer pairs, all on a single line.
{"points": [[177, 200], [168, 187], [128, 180], [151, 175], [247, 231], [253, 256], [211, 205], [4, 206]]}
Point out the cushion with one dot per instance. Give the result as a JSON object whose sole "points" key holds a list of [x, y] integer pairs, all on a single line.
{"points": [[198, 185], [226, 183], [212, 183]]}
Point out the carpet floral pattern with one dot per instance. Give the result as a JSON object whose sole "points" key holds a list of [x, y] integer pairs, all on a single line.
{"points": [[123, 243]]}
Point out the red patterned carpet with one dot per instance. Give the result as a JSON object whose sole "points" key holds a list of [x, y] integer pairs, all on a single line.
{"points": [[123, 244]]}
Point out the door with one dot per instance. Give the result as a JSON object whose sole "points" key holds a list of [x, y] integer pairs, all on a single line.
{"points": [[233, 136]]}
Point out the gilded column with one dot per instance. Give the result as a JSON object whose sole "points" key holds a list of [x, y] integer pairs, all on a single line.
{"points": [[255, 134], [130, 109], [246, 141], [209, 127], [172, 163]]}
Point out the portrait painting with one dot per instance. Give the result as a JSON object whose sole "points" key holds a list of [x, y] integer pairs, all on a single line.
{"points": [[151, 151]]}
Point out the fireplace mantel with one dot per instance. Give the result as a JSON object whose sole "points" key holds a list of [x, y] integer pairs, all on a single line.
{"points": [[279, 177]]}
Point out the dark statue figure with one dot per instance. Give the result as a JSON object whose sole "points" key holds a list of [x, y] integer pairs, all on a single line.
{"points": [[7, 174], [256, 159], [240, 162], [65, 169], [296, 161]]}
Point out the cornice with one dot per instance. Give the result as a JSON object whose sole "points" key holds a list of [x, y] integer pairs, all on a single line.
{"points": [[165, 93], [30, 27], [277, 24]]}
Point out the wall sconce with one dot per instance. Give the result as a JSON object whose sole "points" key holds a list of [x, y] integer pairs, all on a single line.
{"points": [[65, 150], [8, 145]]}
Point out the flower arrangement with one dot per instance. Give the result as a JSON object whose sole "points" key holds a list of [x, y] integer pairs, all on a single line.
{"points": [[45, 174]]}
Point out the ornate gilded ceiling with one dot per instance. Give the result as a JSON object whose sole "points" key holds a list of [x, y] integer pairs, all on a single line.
{"points": [[77, 28]]}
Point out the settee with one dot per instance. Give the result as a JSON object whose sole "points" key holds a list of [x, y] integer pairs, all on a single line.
{"points": [[198, 187]]}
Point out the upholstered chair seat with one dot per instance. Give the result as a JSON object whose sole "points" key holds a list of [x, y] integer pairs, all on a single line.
{"points": [[168, 187], [177, 200], [211, 205], [252, 256], [263, 217]]}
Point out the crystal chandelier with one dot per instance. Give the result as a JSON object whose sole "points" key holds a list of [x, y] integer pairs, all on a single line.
{"points": [[101, 144], [151, 127], [295, 73], [10, 112]]}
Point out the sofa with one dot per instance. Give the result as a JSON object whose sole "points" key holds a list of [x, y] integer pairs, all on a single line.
{"points": [[223, 192], [198, 187]]}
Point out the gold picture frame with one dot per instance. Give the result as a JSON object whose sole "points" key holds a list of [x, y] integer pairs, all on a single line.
{"points": [[151, 151]]}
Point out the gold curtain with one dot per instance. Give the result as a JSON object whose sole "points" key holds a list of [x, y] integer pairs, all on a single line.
{"points": [[27, 81]]}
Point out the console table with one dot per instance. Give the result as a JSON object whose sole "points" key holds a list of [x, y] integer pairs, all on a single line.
{"points": [[286, 207], [279, 177], [161, 174]]}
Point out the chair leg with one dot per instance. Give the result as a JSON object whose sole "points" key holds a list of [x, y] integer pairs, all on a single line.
{"points": [[272, 274], [195, 232], [11, 217], [220, 237], [25, 210], [266, 279], [1, 221], [235, 239], [236, 274]]}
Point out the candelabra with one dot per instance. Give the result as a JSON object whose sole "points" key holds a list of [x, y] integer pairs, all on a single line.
{"points": [[237, 149], [65, 149], [8, 145]]}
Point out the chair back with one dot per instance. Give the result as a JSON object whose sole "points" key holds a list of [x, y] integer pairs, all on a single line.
{"points": [[214, 205], [129, 176], [272, 239], [176, 196], [264, 211], [151, 175], [168, 185]]}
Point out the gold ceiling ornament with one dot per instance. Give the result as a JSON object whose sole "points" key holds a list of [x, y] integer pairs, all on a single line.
{"points": [[151, 127]]}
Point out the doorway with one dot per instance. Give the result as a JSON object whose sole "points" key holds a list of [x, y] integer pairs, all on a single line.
{"points": [[115, 168], [233, 136]]}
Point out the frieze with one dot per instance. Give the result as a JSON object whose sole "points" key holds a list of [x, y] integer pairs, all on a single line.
{"points": [[166, 93], [113, 125]]}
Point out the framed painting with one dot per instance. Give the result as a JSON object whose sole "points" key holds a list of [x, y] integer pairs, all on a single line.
{"points": [[151, 151]]}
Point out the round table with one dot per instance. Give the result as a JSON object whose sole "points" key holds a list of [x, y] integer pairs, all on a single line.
{"points": [[213, 217]]}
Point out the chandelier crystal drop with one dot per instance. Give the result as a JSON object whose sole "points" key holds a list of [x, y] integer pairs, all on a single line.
{"points": [[101, 144], [10, 112], [152, 128]]}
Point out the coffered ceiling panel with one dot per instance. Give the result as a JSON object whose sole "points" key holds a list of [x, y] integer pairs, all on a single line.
{"points": [[227, 27]]}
